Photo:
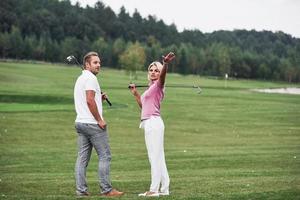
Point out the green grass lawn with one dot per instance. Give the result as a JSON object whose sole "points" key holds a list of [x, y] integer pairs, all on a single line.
{"points": [[225, 143]]}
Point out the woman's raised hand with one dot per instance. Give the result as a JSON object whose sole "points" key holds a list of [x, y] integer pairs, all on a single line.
{"points": [[168, 58]]}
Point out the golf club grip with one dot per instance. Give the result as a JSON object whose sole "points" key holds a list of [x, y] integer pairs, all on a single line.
{"points": [[139, 86], [106, 99]]}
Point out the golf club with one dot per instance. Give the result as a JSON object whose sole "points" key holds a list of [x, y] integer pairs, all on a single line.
{"points": [[74, 59], [173, 86]]}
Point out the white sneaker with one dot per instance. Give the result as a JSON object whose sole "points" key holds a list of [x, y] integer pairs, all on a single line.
{"points": [[164, 193], [149, 194]]}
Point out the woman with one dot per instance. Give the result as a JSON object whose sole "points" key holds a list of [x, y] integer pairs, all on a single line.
{"points": [[153, 125]]}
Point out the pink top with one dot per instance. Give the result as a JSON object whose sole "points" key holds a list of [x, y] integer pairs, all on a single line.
{"points": [[151, 99]]}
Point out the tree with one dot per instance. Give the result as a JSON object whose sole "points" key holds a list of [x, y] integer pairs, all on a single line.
{"points": [[263, 71], [133, 59], [8, 16], [52, 51], [153, 49], [30, 43], [71, 46], [174, 65], [39, 51], [223, 60], [5, 45], [16, 43], [123, 26], [236, 57], [118, 48], [212, 65], [289, 72], [183, 64], [104, 49]]}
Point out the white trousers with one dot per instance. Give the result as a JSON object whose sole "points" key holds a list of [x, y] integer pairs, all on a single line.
{"points": [[154, 138]]}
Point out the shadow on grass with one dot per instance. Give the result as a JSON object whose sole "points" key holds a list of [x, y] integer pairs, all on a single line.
{"points": [[38, 103], [15, 98]]}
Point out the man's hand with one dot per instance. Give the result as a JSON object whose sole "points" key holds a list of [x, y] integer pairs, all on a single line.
{"points": [[104, 96], [102, 124]]}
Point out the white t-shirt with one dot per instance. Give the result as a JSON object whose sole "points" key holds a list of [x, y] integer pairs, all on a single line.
{"points": [[86, 81]]}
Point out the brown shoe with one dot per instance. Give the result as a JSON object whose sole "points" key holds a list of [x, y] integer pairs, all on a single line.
{"points": [[113, 193]]}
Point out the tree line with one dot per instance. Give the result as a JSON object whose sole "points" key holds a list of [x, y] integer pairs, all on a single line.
{"points": [[50, 30]]}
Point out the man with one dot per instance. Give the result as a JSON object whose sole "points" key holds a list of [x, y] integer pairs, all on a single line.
{"points": [[91, 128]]}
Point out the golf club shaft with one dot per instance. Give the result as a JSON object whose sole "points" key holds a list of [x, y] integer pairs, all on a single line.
{"points": [[108, 102], [139, 86], [106, 99], [174, 86], [78, 63]]}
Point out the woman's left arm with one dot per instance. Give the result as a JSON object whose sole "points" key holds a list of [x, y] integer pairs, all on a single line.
{"points": [[166, 60]]}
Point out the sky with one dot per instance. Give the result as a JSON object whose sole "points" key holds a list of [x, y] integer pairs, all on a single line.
{"points": [[213, 15]]}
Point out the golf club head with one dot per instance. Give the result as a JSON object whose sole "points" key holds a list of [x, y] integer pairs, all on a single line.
{"points": [[70, 58], [73, 59]]}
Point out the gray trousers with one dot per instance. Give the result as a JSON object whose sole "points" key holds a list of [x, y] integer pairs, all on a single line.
{"points": [[89, 136]]}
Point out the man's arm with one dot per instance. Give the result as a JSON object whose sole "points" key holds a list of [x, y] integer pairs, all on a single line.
{"points": [[90, 99]]}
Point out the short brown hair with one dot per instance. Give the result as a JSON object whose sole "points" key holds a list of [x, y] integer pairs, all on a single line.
{"points": [[87, 57]]}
